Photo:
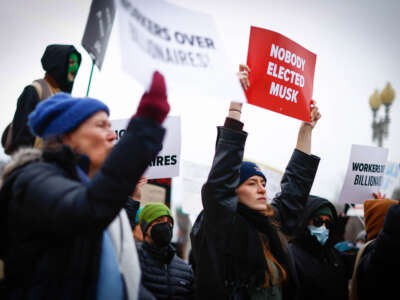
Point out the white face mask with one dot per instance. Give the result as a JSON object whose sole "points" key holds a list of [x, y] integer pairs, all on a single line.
{"points": [[321, 233], [359, 245]]}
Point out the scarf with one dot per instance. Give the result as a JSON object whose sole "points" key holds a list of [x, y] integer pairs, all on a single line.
{"points": [[269, 234], [119, 261]]}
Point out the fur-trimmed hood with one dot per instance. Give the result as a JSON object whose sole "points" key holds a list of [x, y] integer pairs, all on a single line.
{"points": [[20, 158]]}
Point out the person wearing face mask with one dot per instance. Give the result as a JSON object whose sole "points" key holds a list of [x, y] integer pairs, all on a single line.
{"points": [[164, 274], [239, 239], [61, 64], [322, 270]]}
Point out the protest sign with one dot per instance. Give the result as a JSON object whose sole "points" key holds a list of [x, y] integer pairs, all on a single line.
{"points": [[181, 44], [167, 162], [281, 74], [98, 29], [391, 179], [364, 174]]}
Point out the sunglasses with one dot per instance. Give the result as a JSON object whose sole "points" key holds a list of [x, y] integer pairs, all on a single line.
{"points": [[318, 223]]}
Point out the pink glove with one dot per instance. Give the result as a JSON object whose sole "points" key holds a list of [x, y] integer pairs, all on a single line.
{"points": [[154, 104]]}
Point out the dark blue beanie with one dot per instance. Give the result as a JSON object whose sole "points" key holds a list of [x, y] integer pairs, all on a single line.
{"points": [[62, 113], [248, 169]]}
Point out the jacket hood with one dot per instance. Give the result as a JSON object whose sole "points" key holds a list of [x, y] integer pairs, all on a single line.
{"points": [[55, 62], [314, 203], [374, 215], [22, 157]]}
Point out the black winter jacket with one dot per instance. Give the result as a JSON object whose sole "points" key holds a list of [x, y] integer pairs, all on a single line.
{"points": [[377, 272], [323, 272], [52, 224], [225, 263], [55, 63], [165, 275]]}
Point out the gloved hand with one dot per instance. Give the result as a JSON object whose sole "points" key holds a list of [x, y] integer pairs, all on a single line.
{"points": [[154, 104]]}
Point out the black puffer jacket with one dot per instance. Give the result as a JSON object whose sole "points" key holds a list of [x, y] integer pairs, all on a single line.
{"points": [[52, 224], [55, 63], [377, 272], [322, 270], [164, 274], [222, 239]]}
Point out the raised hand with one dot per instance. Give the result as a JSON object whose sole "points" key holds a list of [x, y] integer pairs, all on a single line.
{"points": [[243, 76], [154, 104]]}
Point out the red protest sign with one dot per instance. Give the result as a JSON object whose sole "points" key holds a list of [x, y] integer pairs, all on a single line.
{"points": [[282, 74]]}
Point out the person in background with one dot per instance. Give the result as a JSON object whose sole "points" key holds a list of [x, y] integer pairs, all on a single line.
{"points": [[164, 274], [133, 209], [66, 234], [377, 264], [361, 239], [61, 64], [238, 240], [322, 270]]}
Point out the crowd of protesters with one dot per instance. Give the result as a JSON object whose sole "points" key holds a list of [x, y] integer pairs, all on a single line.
{"points": [[72, 225]]}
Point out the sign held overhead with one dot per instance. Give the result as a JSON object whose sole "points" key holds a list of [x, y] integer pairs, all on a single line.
{"points": [[98, 29], [181, 44], [282, 74]]}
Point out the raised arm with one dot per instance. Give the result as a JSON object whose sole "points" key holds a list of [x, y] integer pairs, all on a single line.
{"points": [[224, 174], [305, 131], [298, 178]]}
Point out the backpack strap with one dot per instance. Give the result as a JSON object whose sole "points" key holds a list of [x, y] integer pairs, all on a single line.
{"points": [[44, 91], [38, 88], [353, 288]]}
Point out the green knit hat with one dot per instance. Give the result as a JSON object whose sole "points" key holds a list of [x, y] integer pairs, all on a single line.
{"points": [[323, 211], [151, 212]]}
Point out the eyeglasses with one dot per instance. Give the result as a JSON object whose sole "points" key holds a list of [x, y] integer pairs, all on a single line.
{"points": [[318, 223]]}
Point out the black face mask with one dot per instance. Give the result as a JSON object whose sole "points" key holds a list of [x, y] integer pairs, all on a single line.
{"points": [[161, 234]]}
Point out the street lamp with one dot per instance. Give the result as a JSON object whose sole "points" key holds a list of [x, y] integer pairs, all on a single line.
{"points": [[380, 128]]}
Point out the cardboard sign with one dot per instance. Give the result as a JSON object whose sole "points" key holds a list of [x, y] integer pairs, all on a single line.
{"points": [[391, 179], [167, 162], [364, 174], [98, 29], [181, 44], [281, 74]]}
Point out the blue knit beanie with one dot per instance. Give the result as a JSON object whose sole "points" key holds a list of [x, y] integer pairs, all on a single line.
{"points": [[62, 113], [248, 169]]}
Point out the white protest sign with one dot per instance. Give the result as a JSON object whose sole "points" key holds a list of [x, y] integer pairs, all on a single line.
{"points": [[391, 179], [167, 162], [180, 43], [364, 173]]}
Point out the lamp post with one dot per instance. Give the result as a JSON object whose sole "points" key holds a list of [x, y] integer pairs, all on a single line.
{"points": [[380, 128]]}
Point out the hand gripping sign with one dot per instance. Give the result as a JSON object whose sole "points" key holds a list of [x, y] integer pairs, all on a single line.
{"points": [[282, 74], [167, 162]]}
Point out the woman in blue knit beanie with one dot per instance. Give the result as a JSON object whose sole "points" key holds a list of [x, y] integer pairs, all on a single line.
{"points": [[238, 240], [61, 207]]}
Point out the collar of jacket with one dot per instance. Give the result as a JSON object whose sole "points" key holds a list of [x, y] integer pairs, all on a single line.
{"points": [[164, 254], [62, 156]]}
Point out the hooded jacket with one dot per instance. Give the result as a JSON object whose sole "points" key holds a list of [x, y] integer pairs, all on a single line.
{"points": [[227, 264], [376, 272], [322, 270], [52, 224], [55, 63]]}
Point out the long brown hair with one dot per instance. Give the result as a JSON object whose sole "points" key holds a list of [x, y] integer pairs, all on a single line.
{"points": [[270, 279]]}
